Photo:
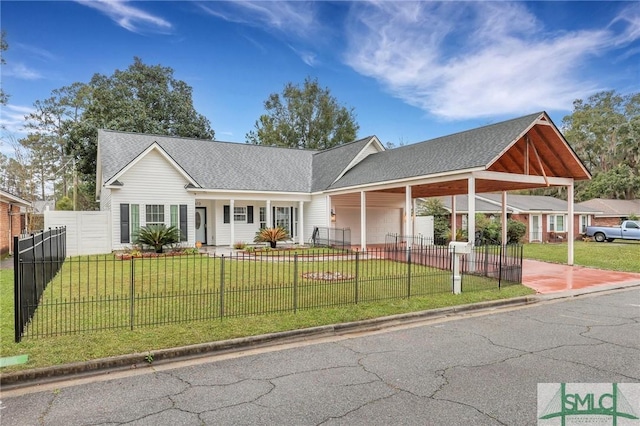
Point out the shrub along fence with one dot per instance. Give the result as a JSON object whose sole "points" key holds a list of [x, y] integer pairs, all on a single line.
{"points": [[107, 292]]}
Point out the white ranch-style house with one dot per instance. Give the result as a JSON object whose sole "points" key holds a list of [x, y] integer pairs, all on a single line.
{"points": [[220, 193]]}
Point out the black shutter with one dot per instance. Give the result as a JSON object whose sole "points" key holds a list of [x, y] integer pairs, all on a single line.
{"points": [[124, 223], [227, 214], [183, 222], [249, 214], [273, 217], [290, 222]]}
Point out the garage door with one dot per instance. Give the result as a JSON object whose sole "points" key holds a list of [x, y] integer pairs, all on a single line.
{"points": [[380, 222]]}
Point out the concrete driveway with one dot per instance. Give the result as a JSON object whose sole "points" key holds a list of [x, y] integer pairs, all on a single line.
{"points": [[546, 277]]}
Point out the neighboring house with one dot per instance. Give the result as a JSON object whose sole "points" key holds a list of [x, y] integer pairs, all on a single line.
{"points": [[39, 207], [612, 212], [220, 193], [545, 217], [12, 219]]}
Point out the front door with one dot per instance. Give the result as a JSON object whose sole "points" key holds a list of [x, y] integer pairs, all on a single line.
{"points": [[201, 224], [535, 231]]}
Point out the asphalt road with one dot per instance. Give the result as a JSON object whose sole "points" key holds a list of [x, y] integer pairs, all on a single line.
{"points": [[480, 369]]}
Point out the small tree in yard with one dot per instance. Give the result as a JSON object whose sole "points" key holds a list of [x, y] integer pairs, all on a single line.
{"points": [[158, 236], [271, 236]]}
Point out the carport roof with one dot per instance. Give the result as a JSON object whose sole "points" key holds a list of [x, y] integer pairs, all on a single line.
{"points": [[529, 145]]}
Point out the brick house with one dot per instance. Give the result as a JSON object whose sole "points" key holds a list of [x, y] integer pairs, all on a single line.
{"points": [[612, 212], [12, 219], [545, 217]]}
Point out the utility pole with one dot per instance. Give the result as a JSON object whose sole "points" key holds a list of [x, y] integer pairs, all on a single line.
{"points": [[75, 185]]}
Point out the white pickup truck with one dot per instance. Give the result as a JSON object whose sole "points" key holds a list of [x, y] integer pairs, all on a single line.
{"points": [[628, 230]]}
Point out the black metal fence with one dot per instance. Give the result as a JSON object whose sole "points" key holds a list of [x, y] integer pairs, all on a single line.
{"points": [[331, 237], [109, 292], [37, 260]]}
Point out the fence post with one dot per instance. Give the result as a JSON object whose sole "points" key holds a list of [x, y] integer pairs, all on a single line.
{"points": [[500, 268], [221, 287], [408, 273], [357, 267], [17, 290], [295, 283], [132, 294]]}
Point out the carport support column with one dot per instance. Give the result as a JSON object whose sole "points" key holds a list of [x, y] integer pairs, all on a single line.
{"points": [[363, 221], [267, 217], [471, 220], [504, 218], [408, 213], [453, 218], [301, 222], [232, 221], [570, 235]]}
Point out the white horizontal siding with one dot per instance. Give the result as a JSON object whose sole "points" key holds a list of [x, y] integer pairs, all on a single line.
{"points": [[152, 180]]}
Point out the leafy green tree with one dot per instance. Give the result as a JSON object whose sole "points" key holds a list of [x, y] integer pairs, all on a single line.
{"points": [[141, 98], [43, 158], [64, 203], [441, 217], [306, 117], [605, 133]]}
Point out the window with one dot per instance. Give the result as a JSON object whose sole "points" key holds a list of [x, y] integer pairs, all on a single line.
{"points": [[556, 223], [263, 217], [155, 214], [135, 220], [240, 214], [174, 215], [465, 222], [631, 225]]}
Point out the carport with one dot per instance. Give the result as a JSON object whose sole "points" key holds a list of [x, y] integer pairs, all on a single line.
{"points": [[523, 153]]}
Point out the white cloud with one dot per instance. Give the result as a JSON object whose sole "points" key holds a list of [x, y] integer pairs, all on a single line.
{"points": [[288, 17], [128, 17], [461, 60], [12, 118], [20, 70], [288, 20]]}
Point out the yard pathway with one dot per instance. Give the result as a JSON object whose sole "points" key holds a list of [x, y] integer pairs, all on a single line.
{"points": [[552, 277]]}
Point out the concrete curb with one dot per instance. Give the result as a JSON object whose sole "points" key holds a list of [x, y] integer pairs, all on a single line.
{"points": [[137, 360]]}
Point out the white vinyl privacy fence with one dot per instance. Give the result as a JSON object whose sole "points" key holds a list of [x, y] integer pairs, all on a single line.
{"points": [[87, 232]]}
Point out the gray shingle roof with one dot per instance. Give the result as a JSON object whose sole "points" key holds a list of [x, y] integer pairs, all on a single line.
{"points": [[462, 205], [515, 202], [538, 203], [237, 166], [460, 151], [614, 208], [328, 164], [215, 165]]}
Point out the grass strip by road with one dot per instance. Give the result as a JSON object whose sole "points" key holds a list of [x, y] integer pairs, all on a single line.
{"points": [[615, 256], [59, 350]]}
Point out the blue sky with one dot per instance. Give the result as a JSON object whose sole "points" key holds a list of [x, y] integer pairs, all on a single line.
{"points": [[411, 70]]}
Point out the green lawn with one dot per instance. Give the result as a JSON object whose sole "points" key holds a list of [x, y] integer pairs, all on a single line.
{"points": [[616, 256], [73, 284]]}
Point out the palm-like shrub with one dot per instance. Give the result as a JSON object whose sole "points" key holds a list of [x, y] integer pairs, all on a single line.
{"points": [[271, 236], [157, 236]]}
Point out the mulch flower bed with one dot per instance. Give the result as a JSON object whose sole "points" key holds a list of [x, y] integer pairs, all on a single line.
{"points": [[327, 276]]}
